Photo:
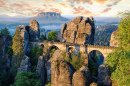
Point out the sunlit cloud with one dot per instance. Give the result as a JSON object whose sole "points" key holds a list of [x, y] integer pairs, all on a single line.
{"points": [[106, 10]]}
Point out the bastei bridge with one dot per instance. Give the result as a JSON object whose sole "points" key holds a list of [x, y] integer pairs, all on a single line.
{"points": [[75, 48]]}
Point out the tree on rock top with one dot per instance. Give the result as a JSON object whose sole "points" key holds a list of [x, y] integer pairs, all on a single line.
{"points": [[52, 36], [17, 43]]}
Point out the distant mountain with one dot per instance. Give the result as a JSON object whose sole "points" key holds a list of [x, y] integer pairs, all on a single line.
{"points": [[48, 17]]}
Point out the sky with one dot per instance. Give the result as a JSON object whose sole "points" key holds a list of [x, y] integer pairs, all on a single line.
{"points": [[103, 8]]}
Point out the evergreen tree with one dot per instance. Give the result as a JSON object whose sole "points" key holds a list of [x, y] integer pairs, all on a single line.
{"points": [[17, 43], [26, 79], [52, 36], [4, 32]]}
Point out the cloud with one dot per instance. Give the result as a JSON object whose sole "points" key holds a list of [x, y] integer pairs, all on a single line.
{"points": [[55, 10], [109, 5], [106, 10], [3, 4], [65, 0], [114, 3], [102, 1], [78, 10], [84, 1], [48, 0]]}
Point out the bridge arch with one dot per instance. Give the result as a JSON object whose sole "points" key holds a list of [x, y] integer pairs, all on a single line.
{"points": [[96, 56], [105, 50], [71, 49]]}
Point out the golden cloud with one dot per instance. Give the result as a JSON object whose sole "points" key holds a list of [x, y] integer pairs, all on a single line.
{"points": [[106, 10]]}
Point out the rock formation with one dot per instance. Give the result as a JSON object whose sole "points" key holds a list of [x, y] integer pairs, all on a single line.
{"points": [[25, 65], [61, 72], [40, 70], [49, 14], [103, 78], [114, 41], [34, 31], [79, 30], [81, 77], [29, 33]]}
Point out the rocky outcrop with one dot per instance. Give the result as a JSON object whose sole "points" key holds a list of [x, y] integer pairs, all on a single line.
{"points": [[25, 35], [25, 65], [49, 14], [103, 78], [79, 30], [34, 31], [29, 33], [61, 72], [40, 70], [114, 41], [81, 77]]}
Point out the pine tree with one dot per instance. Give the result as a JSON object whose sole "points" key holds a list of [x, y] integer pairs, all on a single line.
{"points": [[17, 43]]}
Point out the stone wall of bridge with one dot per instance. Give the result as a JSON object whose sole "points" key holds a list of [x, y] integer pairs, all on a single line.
{"points": [[105, 50]]}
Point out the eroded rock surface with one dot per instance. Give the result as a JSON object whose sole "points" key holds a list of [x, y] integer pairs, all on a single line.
{"points": [[25, 65], [114, 41], [34, 31], [61, 72], [81, 77], [103, 78], [40, 70], [29, 33], [79, 30]]}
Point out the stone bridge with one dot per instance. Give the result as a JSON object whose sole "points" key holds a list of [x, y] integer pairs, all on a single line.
{"points": [[75, 48]]}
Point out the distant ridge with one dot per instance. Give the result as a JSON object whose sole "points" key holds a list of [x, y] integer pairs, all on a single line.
{"points": [[49, 17]]}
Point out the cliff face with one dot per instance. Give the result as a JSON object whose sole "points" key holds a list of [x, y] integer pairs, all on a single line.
{"points": [[48, 17], [29, 33], [114, 41], [79, 30], [49, 14]]}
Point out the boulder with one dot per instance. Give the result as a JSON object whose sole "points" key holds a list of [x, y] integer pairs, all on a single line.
{"points": [[79, 30], [40, 70], [103, 78]]}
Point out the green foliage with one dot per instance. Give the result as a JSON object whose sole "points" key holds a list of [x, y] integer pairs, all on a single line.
{"points": [[17, 43], [120, 67], [3, 62], [93, 69], [103, 34], [52, 36], [10, 51], [4, 79], [26, 79], [4, 32], [124, 31], [43, 37], [76, 60], [40, 51], [119, 59], [34, 54], [52, 51], [57, 63], [49, 84]]}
